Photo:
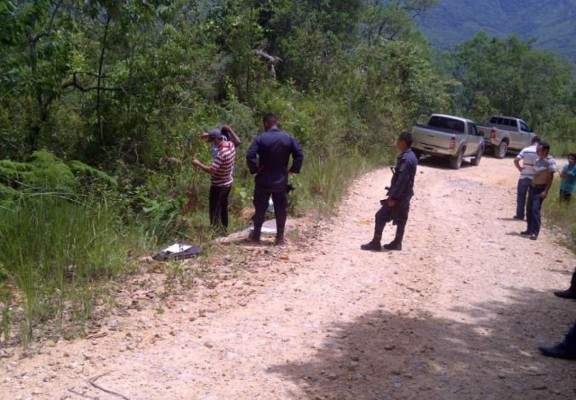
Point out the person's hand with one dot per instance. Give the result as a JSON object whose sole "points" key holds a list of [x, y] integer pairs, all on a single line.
{"points": [[204, 135], [195, 162], [544, 194], [391, 202]]}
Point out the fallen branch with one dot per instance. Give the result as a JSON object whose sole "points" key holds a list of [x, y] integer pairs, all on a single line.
{"points": [[93, 383]]}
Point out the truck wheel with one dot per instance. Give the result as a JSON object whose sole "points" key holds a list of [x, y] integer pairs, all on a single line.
{"points": [[501, 150], [476, 160], [456, 162]]}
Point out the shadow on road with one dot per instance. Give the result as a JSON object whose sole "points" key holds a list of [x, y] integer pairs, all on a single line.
{"points": [[384, 355]]}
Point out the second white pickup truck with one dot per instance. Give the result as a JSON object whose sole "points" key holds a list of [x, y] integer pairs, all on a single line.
{"points": [[448, 136], [506, 133]]}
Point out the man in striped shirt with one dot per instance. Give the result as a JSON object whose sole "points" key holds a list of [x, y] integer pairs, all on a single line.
{"points": [[220, 179], [528, 157]]}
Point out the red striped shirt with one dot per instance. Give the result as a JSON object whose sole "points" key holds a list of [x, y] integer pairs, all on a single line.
{"points": [[223, 164]]}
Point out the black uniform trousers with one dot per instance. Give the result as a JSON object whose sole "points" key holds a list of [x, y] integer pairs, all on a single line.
{"points": [[280, 199], [398, 213]]}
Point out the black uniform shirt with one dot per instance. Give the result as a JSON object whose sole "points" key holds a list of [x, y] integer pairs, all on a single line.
{"points": [[402, 187], [268, 157]]}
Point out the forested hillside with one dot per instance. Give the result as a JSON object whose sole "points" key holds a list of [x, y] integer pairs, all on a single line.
{"points": [[549, 23], [102, 104]]}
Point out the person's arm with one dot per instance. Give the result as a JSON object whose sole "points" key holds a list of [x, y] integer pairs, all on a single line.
{"points": [[400, 182], [297, 157], [209, 169], [549, 180], [550, 171], [234, 138], [517, 164], [252, 157]]}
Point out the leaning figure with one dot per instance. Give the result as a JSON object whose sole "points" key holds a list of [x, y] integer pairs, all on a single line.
{"points": [[397, 205]]}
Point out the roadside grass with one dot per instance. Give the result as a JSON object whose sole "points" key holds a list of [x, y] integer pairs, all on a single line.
{"points": [[325, 180], [562, 215], [61, 255], [55, 251]]}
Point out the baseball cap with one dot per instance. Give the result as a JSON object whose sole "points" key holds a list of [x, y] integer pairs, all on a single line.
{"points": [[215, 134]]}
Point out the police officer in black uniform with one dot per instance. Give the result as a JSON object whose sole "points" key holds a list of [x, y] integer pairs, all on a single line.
{"points": [[268, 158], [396, 207]]}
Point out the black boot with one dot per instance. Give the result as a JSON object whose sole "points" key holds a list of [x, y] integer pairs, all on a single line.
{"points": [[393, 245], [254, 237], [396, 244], [565, 349], [569, 293], [374, 245]]}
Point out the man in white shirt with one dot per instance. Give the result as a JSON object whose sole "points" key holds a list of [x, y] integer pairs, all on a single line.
{"points": [[544, 170], [528, 157]]}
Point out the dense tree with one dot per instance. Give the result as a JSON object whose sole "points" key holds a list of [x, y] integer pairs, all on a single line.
{"points": [[508, 77]]}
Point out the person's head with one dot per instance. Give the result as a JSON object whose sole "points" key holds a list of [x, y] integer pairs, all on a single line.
{"points": [[404, 141], [572, 158], [543, 149], [270, 121], [215, 136], [535, 140]]}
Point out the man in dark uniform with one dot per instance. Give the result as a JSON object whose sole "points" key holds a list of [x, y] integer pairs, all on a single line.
{"points": [[397, 205], [268, 158]]}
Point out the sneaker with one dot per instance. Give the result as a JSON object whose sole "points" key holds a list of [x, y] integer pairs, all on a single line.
{"points": [[525, 233], [533, 236], [392, 246], [517, 217], [280, 241], [372, 246]]}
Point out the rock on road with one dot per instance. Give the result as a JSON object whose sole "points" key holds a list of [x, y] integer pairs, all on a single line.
{"points": [[458, 314]]}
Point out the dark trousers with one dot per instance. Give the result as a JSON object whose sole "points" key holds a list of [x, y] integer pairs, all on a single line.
{"points": [[218, 206], [398, 214], [534, 216], [524, 185], [280, 199], [565, 196]]}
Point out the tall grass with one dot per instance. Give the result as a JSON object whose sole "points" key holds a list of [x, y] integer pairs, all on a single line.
{"points": [[326, 179], [54, 250], [561, 215]]}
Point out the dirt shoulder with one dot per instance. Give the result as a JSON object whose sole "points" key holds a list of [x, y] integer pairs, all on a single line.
{"points": [[458, 314]]}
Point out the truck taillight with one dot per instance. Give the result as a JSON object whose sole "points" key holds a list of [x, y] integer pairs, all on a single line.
{"points": [[453, 143], [493, 133]]}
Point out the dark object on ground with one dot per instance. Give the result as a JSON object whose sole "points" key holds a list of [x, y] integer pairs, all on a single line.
{"points": [[178, 252], [525, 233]]}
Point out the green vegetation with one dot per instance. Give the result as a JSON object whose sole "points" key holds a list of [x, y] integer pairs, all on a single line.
{"points": [[102, 104]]}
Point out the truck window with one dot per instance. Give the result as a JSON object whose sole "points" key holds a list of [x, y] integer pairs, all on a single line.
{"points": [[524, 127], [446, 123], [513, 123]]}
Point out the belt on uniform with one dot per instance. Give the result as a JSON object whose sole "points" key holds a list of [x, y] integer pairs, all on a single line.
{"points": [[539, 186]]}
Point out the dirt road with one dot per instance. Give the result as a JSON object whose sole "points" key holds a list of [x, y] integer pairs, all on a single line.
{"points": [[458, 314]]}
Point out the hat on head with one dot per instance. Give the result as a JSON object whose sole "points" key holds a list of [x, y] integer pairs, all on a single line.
{"points": [[535, 139], [215, 134]]}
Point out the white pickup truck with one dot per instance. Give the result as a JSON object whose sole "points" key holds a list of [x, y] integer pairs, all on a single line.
{"points": [[506, 133], [448, 136]]}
